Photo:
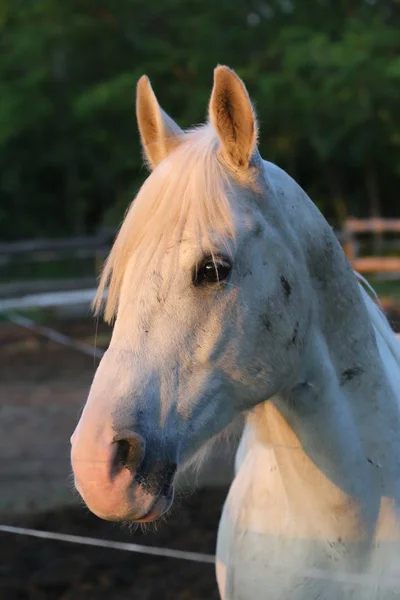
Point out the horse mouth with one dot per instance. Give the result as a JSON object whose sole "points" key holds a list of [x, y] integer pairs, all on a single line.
{"points": [[161, 505]]}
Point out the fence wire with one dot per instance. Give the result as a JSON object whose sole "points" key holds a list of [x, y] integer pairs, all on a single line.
{"points": [[100, 543], [54, 335]]}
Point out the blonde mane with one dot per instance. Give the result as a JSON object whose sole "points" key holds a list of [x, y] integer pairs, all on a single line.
{"points": [[187, 192]]}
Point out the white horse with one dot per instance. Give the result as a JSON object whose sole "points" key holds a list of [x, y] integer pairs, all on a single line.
{"points": [[232, 296]]}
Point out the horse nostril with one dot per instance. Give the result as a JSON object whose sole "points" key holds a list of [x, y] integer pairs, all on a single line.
{"points": [[129, 452], [123, 450]]}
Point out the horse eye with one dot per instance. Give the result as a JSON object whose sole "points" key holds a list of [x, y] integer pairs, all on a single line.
{"points": [[213, 271]]}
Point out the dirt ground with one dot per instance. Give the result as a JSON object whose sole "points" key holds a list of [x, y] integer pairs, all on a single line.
{"points": [[35, 569], [43, 387]]}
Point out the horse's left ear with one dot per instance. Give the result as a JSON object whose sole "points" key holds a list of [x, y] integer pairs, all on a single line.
{"points": [[233, 117], [158, 132]]}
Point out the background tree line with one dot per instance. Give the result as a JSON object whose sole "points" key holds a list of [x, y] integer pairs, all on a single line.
{"points": [[324, 75]]}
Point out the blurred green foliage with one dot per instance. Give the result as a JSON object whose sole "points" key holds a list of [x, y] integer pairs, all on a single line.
{"points": [[324, 75]]}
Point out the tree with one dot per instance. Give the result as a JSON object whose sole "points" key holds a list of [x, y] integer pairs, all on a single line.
{"points": [[324, 75]]}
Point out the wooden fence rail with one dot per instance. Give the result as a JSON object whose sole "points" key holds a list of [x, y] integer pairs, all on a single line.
{"points": [[369, 264], [39, 244], [372, 225], [47, 250]]}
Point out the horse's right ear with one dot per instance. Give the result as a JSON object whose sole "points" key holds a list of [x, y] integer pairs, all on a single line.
{"points": [[158, 132]]}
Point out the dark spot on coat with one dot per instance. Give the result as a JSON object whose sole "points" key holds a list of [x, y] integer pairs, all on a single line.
{"points": [[294, 337], [349, 374], [373, 463], [281, 193], [287, 288], [329, 246], [258, 229], [265, 321]]}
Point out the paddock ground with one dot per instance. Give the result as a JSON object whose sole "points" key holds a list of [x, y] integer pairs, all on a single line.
{"points": [[34, 569]]}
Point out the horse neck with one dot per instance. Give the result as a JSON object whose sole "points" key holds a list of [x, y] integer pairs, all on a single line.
{"points": [[340, 423]]}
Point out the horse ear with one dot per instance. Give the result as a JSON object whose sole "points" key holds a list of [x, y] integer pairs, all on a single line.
{"points": [[158, 132], [233, 117]]}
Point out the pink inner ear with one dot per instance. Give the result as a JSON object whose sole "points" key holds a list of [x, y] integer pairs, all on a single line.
{"points": [[233, 117]]}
